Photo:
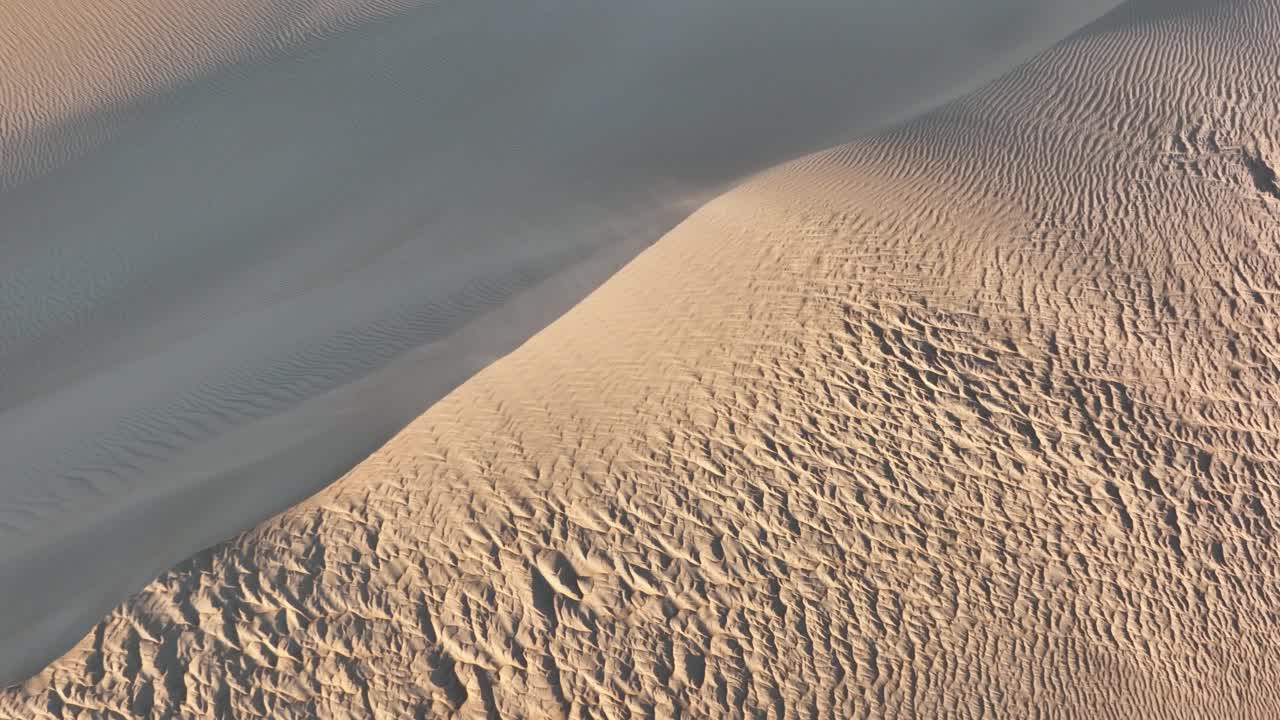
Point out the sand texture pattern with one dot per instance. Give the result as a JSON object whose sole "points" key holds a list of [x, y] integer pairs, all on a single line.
{"points": [[977, 418]]}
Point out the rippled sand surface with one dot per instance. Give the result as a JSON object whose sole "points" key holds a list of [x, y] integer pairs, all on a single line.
{"points": [[977, 417]]}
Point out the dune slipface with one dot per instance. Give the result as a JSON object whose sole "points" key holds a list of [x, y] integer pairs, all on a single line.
{"points": [[226, 279], [976, 418]]}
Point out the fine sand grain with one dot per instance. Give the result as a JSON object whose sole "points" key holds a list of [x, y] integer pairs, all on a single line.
{"points": [[975, 418]]}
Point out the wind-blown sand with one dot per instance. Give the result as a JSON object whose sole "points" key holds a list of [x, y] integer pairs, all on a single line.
{"points": [[974, 418]]}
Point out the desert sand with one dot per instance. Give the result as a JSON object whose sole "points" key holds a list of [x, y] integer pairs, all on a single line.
{"points": [[234, 263], [978, 416]]}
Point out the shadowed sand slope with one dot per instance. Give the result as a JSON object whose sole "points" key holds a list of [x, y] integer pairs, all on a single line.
{"points": [[975, 419]]}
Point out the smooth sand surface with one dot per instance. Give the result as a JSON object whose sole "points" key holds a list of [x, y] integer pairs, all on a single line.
{"points": [[974, 418]]}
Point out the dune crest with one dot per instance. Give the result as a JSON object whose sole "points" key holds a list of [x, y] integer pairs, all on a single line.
{"points": [[977, 418]]}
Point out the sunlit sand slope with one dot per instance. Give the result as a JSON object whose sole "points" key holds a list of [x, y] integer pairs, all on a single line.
{"points": [[980, 418]]}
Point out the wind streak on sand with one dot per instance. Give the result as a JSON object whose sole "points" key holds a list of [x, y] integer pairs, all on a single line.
{"points": [[223, 284]]}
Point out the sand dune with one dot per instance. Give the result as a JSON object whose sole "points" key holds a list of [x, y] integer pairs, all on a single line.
{"points": [[75, 74], [975, 418], [241, 244]]}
